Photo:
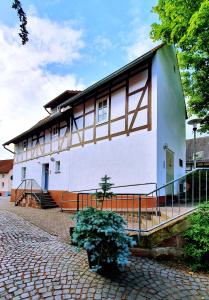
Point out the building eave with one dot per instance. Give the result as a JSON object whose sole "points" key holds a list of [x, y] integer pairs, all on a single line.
{"points": [[62, 97]]}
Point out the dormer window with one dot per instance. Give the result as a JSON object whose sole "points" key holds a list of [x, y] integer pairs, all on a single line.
{"points": [[102, 110]]}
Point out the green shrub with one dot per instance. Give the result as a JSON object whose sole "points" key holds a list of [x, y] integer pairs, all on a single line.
{"points": [[102, 235], [197, 239]]}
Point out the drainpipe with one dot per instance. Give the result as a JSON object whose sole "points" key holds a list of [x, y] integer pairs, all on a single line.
{"points": [[8, 149], [47, 110]]}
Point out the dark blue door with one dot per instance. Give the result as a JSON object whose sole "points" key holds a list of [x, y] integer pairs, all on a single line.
{"points": [[45, 177]]}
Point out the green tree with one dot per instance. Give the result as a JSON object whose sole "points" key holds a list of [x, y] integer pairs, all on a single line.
{"points": [[16, 4], [104, 193], [185, 23]]}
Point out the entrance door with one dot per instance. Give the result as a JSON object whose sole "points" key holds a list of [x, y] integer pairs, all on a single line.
{"points": [[45, 177], [169, 170]]}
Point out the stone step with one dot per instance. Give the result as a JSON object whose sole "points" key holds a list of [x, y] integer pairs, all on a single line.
{"points": [[46, 200]]}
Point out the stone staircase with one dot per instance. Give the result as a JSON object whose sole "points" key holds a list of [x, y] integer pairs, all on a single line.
{"points": [[30, 194], [45, 200], [152, 218]]}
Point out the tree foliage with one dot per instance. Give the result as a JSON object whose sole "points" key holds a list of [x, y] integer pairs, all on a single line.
{"points": [[102, 234], [185, 23], [105, 186], [197, 239], [23, 21]]}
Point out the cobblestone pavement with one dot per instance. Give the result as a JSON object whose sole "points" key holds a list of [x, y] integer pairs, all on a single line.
{"points": [[36, 265], [53, 220]]}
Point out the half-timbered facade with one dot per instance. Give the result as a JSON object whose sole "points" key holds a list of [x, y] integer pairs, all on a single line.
{"points": [[129, 125]]}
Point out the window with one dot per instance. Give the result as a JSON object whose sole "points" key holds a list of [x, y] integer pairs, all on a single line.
{"points": [[2, 184], [54, 130], [57, 166], [102, 110], [25, 145], [180, 163], [23, 173]]}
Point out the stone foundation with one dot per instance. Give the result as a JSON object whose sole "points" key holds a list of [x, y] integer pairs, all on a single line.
{"points": [[29, 201]]}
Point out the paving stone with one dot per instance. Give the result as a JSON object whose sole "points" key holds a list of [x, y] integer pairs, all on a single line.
{"points": [[36, 265]]}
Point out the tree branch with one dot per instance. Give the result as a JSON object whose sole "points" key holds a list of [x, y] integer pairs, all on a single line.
{"points": [[23, 21]]}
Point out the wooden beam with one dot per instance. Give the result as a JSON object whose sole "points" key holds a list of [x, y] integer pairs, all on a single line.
{"points": [[77, 131], [126, 107], [109, 115], [94, 130], [118, 119], [136, 91], [139, 128], [149, 111], [138, 106], [83, 134], [118, 133]]}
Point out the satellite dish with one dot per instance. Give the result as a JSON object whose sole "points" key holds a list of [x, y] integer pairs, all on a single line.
{"points": [[52, 158]]}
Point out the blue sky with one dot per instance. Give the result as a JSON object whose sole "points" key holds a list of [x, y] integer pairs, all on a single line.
{"points": [[109, 28], [72, 44]]}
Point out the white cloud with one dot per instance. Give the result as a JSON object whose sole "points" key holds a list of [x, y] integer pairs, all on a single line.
{"points": [[142, 43], [25, 82]]}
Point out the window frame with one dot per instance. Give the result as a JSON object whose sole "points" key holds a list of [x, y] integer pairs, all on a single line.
{"points": [[57, 169], [56, 128], [23, 173], [25, 145], [101, 100], [181, 163]]}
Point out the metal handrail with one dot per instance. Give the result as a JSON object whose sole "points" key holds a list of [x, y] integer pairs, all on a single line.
{"points": [[177, 179], [25, 189], [174, 202], [114, 187]]}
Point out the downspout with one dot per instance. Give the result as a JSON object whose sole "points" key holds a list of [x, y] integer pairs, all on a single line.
{"points": [[8, 149], [47, 110]]}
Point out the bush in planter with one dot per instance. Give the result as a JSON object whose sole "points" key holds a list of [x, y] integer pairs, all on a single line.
{"points": [[197, 239], [102, 235]]}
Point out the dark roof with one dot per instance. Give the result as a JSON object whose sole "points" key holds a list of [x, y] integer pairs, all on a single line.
{"points": [[202, 149], [48, 120], [60, 98], [76, 98], [6, 165]]}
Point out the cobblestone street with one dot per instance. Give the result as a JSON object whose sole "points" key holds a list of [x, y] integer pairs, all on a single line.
{"points": [[36, 265]]}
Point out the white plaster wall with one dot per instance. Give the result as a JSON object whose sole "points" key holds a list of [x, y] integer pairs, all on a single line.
{"points": [[127, 160], [7, 182], [57, 181], [170, 112]]}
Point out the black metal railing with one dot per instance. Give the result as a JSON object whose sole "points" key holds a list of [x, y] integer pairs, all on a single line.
{"points": [[178, 197], [144, 211]]}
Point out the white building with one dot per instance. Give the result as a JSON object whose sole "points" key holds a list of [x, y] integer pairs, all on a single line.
{"points": [[129, 125], [6, 176]]}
